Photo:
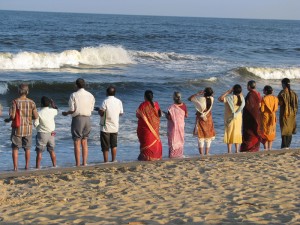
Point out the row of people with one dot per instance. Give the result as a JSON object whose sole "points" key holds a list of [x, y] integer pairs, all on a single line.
{"points": [[256, 111], [248, 121]]}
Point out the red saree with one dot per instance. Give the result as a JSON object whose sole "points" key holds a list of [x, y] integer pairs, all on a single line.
{"points": [[148, 132], [251, 123]]}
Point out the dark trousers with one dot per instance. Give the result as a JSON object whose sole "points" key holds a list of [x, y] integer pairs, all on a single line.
{"points": [[286, 141]]}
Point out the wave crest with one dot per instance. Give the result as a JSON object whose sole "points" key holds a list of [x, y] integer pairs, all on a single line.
{"points": [[92, 56], [271, 73]]}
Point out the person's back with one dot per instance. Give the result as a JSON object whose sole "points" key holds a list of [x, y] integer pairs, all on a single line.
{"points": [[83, 103], [45, 122], [113, 108]]}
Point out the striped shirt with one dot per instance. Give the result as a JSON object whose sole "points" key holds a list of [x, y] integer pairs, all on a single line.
{"points": [[26, 107]]}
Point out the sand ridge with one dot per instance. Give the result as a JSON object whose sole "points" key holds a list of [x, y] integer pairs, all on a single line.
{"points": [[259, 188]]}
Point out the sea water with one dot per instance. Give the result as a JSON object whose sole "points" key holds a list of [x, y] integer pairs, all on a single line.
{"points": [[135, 53]]}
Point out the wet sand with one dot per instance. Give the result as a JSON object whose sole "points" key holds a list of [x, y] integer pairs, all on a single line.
{"points": [[253, 188]]}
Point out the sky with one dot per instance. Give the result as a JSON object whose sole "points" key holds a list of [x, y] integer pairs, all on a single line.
{"points": [[253, 9]]}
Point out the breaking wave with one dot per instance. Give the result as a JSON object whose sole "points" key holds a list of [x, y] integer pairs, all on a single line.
{"points": [[271, 73], [92, 56]]}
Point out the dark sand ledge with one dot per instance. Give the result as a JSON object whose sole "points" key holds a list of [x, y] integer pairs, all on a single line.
{"points": [[245, 188], [6, 174]]}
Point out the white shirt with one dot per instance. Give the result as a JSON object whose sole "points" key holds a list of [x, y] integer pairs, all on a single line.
{"points": [[82, 102], [45, 123], [112, 108]]}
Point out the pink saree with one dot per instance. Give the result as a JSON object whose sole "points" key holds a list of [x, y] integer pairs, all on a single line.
{"points": [[176, 131]]}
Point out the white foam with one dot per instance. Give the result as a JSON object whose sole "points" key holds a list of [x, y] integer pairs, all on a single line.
{"points": [[164, 56], [3, 88], [93, 56], [274, 73]]}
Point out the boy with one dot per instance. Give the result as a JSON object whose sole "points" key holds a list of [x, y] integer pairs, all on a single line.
{"points": [[45, 126]]}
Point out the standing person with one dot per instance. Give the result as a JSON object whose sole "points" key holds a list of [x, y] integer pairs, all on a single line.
{"points": [[21, 137], [204, 129], [176, 115], [148, 115], [45, 126], [234, 104], [269, 106], [81, 105], [251, 120], [110, 112], [288, 102]]}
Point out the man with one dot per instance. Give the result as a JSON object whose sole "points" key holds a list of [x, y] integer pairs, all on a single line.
{"points": [[45, 126], [110, 111], [81, 105], [251, 120], [21, 135]]}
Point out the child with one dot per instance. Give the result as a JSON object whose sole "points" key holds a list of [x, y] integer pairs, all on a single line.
{"points": [[45, 126]]}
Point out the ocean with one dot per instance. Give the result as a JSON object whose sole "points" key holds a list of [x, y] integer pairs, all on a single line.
{"points": [[135, 53]]}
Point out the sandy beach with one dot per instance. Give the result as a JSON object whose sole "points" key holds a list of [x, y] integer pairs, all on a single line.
{"points": [[259, 188]]}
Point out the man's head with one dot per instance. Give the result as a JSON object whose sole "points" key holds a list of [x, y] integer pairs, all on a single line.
{"points": [[45, 101], [111, 91], [80, 83], [23, 89]]}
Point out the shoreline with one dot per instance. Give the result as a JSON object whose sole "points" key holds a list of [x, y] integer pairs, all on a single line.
{"points": [[249, 188], [51, 170]]}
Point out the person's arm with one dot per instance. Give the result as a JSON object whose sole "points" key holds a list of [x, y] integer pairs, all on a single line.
{"points": [[222, 97], [12, 112], [121, 109], [186, 111], [53, 105], [72, 107], [196, 94], [102, 109]]}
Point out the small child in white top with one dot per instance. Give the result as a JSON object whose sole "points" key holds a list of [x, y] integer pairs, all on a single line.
{"points": [[45, 126]]}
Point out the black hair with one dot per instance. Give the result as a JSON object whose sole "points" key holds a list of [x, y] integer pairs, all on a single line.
{"points": [[208, 92], [252, 84], [80, 83], [237, 90], [286, 83], [177, 97], [45, 101], [268, 90], [111, 91], [149, 96]]}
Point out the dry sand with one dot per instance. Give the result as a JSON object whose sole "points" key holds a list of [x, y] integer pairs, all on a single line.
{"points": [[259, 188]]}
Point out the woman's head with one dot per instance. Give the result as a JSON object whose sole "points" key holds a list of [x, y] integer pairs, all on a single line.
{"points": [[237, 89], [23, 89], [208, 91], [268, 90], [177, 97], [148, 95], [251, 85], [286, 83]]}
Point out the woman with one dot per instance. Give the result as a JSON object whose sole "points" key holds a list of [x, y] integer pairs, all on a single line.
{"points": [[204, 129], [234, 105], [288, 102], [251, 131], [148, 115], [176, 115], [269, 106]]}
